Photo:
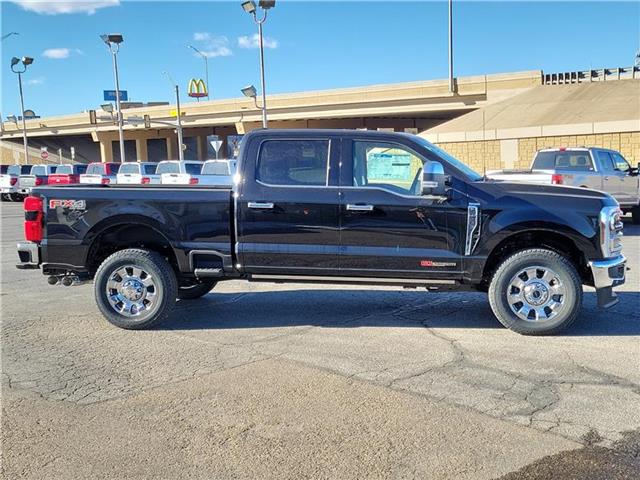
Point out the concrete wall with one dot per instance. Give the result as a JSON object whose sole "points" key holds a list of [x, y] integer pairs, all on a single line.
{"points": [[498, 154]]}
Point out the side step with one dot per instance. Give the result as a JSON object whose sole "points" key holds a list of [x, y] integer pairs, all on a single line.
{"points": [[208, 272]]}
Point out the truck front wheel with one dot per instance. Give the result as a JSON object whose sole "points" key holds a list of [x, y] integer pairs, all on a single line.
{"points": [[135, 288], [536, 292]]}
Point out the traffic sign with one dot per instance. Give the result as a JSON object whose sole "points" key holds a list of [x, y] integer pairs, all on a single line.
{"points": [[110, 95], [44, 154]]}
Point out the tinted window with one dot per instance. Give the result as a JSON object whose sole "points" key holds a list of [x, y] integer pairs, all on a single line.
{"points": [[168, 167], [3, 169], [388, 166], [619, 162], [215, 168], [563, 160], [19, 169], [149, 169], [64, 169], [95, 169], [193, 168], [80, 169], [114, 168], [606, 161], [39, 170], [129, 168], [293, 162]]}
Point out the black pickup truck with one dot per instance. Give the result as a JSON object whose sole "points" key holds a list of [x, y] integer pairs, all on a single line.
{"points": [[332, 206]]}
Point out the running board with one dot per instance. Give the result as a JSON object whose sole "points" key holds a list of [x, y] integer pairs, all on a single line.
{"points": [[208, 272], [383, 280]]}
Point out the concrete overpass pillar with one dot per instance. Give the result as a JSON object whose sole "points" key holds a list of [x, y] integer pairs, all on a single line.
{"points": [[141, 149], [201, 145], [172, 152], [106, 150]]}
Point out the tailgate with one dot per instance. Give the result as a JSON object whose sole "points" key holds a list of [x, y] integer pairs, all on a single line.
{"points": [[61, 179], [27, 180], [91, 179], [175, 178], [5, 181], [128, 179]]}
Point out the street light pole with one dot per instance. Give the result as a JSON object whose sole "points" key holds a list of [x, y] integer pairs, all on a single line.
{"points": [[250, 7], [178, 116], [25, 61], [206, 67], [113, 41], [262, 82], [451, 84]]}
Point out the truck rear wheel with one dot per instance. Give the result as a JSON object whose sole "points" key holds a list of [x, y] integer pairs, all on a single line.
{"points": [[197, 290], [135, 288], [536, 292]]}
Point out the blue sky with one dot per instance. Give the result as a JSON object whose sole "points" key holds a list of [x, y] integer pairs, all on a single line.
{"points": [[313, 45]]}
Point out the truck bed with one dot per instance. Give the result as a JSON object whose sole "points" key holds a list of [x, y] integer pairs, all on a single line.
{"points": [[193, 218]]}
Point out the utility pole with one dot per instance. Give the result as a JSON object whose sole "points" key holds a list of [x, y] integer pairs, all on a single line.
{"points": [[451, 83]]}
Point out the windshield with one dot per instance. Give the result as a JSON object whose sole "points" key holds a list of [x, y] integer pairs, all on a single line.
{"points": [[216, 168], [95, 169], [39, 170], [168, 167], [64, 169], [129, 168], [465, 169]]}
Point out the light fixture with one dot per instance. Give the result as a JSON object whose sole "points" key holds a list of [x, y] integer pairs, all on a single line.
{"points": [[249, 91], [249, 6], [27, 60], [15, 61], [267, 4], [112, 38]]}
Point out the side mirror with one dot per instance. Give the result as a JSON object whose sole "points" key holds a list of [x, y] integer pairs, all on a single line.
{"points": [[433, 179]]}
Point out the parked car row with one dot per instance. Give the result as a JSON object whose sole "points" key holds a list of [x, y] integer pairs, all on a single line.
{"points": [[16, 181]]}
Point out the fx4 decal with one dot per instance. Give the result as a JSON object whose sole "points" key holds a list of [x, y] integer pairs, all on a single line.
{"points": [[70, 204]]}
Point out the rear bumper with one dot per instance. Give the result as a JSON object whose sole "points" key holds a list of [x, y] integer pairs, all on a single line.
{"points": [[8, 190], [606, 275], [29, 254]]}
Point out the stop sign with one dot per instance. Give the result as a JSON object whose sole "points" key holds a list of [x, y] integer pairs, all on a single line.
{"points": [[44, 154]]}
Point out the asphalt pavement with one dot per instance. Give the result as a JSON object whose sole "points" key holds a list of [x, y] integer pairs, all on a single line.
{"points": [[298, 381]]}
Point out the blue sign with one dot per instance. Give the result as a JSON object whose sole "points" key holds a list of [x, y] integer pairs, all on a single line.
{"points": [[110, 95]]}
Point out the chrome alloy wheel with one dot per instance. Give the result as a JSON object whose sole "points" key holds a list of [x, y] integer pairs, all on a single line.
{"points": [[131, 291], [536, 294]]}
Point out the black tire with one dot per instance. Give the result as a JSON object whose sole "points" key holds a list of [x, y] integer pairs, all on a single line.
{"points": [[163, 294], [566, 280], [635, 216], [197, 290]]}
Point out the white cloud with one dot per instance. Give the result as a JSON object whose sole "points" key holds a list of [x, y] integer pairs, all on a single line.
{"points": [[56, 53], [253, 41], [55, 7], [212, 45], [36, 81]]}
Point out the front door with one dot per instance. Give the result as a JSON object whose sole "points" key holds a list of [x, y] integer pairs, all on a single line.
{"points": [[288, 207], [388, 228], [617, 180]]}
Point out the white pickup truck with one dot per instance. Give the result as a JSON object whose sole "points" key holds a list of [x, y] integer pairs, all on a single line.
{"points": [[586, 167]]}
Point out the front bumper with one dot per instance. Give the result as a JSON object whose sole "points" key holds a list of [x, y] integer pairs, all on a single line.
{"points": [[606, 275], [29, 254]]}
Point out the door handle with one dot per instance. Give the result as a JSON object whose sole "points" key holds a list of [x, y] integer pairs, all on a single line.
{"points": [[260, 205], [359, 207]]}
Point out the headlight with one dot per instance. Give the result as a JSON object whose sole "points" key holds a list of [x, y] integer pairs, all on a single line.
{"points": [[610, 231]]}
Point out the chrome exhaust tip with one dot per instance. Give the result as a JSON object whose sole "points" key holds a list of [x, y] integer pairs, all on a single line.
{"points": [[53, 280]]}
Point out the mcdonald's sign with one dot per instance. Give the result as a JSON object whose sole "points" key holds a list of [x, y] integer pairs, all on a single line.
{"points": [[197, 88]]}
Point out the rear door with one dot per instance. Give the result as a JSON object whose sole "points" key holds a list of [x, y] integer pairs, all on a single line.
{"points": [[288, 206], [388, 228]]}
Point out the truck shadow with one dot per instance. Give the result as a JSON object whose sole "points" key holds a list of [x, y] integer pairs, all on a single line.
{"points": [[379, 308], [630, 230]]}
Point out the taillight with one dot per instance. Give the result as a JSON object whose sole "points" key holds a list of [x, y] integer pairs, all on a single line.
{"points": [[193, 181], [145, 180], [33, 215], [556, 179], [106, 181], [13, 181], [39, 181]]}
